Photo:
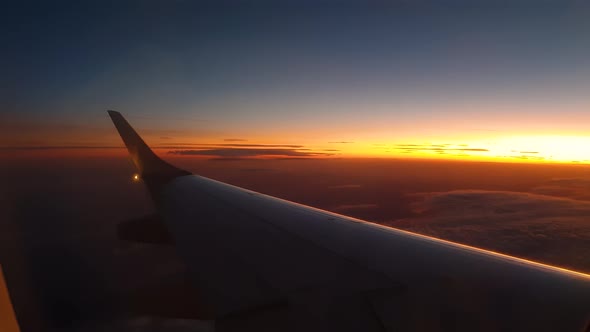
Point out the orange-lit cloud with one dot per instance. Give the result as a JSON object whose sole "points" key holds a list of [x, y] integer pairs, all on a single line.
{"points": [[242, 153], [234, 140]]}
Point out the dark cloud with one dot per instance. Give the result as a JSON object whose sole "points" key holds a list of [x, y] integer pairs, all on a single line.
{"points": [[165, 137], [236, 145], [438, 148], [341, 142], [248, 153], [256, 170], [346, 186], [525, 157], [347, 207], [235, 140], [228, 159], [265, 158], [544, 228], [525, 152], [467, 149], [59, 147]]}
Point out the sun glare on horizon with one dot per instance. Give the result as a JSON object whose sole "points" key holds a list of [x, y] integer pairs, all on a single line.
{"points": [[557, 148], [514, 148]]}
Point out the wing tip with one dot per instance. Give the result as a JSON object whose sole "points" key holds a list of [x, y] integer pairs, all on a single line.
{"points": [[114, 114], [147, 162]]}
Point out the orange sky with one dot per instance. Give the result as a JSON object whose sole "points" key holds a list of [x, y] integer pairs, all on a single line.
{"points": [[558, 139]]}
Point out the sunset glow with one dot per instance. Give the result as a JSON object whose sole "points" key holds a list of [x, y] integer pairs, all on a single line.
{"points": [[514, 148], [468, 82], [531, 149]]}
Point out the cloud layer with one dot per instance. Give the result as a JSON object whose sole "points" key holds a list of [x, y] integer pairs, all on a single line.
{"points": [[544, 228], [575, 188]]}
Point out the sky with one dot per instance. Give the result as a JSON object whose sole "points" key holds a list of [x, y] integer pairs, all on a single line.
{"points": [[438, 79]]}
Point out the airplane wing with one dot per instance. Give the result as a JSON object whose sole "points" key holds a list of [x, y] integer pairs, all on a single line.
{"points": [[261, 263]]}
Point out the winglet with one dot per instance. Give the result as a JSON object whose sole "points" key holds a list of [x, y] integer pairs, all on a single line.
{"points": [[149, 165]]}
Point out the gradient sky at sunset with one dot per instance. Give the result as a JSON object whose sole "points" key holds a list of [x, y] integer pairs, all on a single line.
{"points": [[445, 79], [240, 91]]}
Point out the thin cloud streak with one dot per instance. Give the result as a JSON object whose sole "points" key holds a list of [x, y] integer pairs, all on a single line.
{"points": [[60, 147], [235, 140], [237, 145], [249, 153], [436, 148], [347, 207], [346, 186]]}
